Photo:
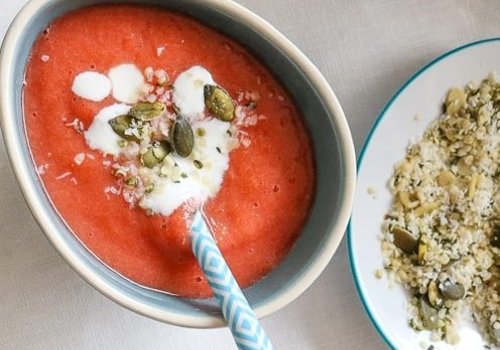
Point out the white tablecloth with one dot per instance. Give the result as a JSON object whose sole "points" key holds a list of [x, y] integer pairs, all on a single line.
{"points": [[366, 49]]}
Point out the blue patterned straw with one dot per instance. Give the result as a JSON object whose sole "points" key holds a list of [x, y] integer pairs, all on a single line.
{"points": [[241, 319]]}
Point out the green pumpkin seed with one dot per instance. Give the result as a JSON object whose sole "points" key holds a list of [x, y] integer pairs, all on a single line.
{"points": [[182, 137], [147, 111], [218, 102], [428, 314], [404, 240], [452, 291], [155, 154], [120, 124]]}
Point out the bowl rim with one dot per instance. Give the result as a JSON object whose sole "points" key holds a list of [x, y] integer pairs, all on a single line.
{"points": [[13, 142], [369, 136]]}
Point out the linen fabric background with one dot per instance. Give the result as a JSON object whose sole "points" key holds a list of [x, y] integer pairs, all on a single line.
{"points": [[366, 49]]}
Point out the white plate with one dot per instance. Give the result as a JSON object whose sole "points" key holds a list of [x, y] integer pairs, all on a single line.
{"points": [[422, 95]]}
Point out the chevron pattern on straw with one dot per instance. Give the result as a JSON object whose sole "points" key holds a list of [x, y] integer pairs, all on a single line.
{"points": [[240, 317]]}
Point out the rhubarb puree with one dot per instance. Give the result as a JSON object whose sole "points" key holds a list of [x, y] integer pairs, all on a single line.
{"points": [[267, 190]]}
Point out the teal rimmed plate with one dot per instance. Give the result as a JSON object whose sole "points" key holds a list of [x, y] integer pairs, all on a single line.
{"points": [[422, 95]]}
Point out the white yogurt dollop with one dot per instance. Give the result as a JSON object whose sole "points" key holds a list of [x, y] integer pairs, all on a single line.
{"points": [[127, 81], [196, 178], [100, 136], [188, 91], [92, 86], [202, 182]]}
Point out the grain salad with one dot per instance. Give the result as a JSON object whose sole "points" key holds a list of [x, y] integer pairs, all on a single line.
{"points": [[441, 237]]}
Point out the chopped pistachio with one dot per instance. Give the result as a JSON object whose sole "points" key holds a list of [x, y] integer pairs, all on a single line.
{"points": [[433, 294], [120, 172], [198, 164], [132, 181], [155, 154], [200, 132], [122, 143]]}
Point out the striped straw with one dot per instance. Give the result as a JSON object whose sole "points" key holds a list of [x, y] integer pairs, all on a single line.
{"points": [[247, 331]]}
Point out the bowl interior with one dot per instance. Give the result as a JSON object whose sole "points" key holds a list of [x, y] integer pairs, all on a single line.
{"points": [[329, 157]]}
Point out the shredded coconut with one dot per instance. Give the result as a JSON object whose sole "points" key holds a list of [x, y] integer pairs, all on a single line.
{"points": [[63, 175], [79, 158]]}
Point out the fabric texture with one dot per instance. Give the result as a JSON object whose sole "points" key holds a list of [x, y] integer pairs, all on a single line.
{"points": [[366, 49]]}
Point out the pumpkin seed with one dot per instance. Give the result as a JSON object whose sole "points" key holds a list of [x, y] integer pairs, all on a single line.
{"points": [[452, 291], [428, 314], [155, 154], [182, 137], [120, 124], [147, 111], [218, 102], [405, 240]]}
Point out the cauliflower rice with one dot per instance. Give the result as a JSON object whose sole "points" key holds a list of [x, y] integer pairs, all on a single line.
{"points": [[441, 238]]}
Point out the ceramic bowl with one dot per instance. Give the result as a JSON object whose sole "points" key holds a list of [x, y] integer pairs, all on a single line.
{"points": [[333, 146]]}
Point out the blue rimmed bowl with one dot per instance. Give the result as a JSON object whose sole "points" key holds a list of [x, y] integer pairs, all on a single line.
{"points": [[334, 153]]}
